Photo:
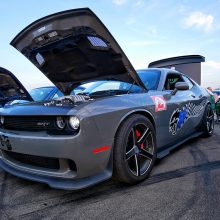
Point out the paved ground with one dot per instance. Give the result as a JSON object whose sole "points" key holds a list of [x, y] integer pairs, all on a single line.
{"points": [[184, 185]]}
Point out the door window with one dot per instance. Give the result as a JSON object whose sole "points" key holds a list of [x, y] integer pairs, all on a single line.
{"points": [[171, 80], [187, 80]]}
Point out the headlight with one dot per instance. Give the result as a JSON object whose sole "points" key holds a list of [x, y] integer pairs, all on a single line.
{"points": [[74, 122], [2, 120], [60, 122]]}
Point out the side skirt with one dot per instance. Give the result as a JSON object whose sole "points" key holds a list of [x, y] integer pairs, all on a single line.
{"points": [[166, 151]]}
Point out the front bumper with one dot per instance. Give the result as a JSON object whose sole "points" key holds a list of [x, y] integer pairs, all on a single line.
{"points": [[67, 184], [89, 168]]}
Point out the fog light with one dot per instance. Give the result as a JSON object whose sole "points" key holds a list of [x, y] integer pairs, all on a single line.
{"points": [[74, 122], [60, 122]]}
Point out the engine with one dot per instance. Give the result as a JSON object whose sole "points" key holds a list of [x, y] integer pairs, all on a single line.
{"points": [[68, 100]]}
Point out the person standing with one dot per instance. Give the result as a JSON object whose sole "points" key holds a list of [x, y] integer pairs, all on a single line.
{"points": [[215, 104], [215, 95]]}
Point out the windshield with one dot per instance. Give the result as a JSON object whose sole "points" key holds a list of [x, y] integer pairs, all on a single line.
{"points": [[149, 77], [110, 87], [40, 94]]}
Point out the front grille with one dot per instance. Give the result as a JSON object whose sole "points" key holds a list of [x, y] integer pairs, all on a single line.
{"points": [[37, 161], [27, 123]]}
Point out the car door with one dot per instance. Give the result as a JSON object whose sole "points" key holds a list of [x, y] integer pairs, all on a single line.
{"points": [[197, 104], [176, 123]]}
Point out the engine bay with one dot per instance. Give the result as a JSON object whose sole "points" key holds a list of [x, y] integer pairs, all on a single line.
{"points": [[70, 100]]}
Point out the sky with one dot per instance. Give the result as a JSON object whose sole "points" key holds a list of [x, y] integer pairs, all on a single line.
{"points": [[147, 30]]}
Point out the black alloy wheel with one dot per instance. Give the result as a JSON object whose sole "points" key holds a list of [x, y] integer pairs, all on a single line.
{"points": [[139, 149], [208, 121], [135, 150]]}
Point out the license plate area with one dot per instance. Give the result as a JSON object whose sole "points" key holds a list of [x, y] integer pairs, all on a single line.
{"points": [[5, 142]]}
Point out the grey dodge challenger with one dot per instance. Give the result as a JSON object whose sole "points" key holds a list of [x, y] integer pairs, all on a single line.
{"points": [[117, 130]]}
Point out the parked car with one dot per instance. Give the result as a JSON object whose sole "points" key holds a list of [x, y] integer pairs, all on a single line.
{"points": [[11, 90], [45, 93], [80, 140], [217, 92], [50, 92]]}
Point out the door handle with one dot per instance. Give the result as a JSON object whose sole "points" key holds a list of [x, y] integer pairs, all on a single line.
{"points": [[193, 96]]}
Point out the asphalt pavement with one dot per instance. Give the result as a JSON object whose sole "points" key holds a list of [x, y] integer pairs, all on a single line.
{"points": [[184, 185]]}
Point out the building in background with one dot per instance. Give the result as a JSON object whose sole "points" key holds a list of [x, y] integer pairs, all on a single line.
{"points": [[189, 65]]}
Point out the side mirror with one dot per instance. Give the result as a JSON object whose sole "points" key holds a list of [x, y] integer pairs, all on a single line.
{"points": [[181, 86]]}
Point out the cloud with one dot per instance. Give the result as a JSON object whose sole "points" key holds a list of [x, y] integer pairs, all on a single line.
{"points": [[199, 20], [119, 2]]}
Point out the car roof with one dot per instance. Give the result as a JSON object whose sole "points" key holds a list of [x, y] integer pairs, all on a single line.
{"points": [[163, 70]]}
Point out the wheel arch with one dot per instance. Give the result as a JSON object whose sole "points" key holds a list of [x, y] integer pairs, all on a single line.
{"points": [[143, 112], [115, 170], [208, 103], [203, 115]]}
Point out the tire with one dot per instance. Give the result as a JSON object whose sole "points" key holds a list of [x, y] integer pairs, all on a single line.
{"points": [[134, 151], [208, 121]]}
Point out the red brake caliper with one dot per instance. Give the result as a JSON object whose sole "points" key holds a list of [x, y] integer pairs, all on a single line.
{"points": [[138, 135]]}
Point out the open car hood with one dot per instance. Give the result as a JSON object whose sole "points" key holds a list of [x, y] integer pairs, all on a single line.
{"points": [[11, 88], [73, 47]]}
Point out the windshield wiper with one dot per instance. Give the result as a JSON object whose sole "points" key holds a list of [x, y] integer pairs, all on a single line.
{"points": [[83, 93], [108, 92]]}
